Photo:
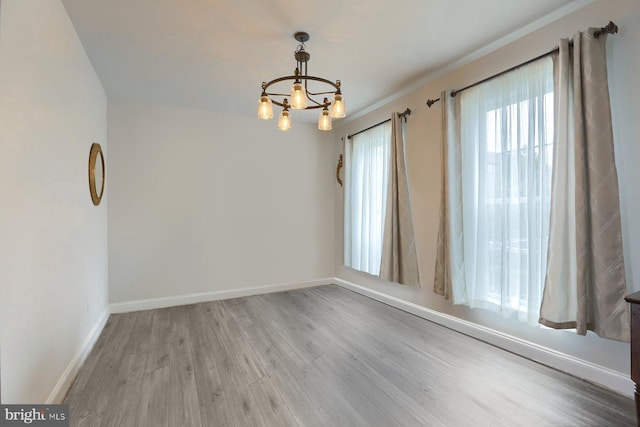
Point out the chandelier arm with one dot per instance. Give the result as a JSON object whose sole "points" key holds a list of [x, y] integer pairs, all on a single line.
{"points": [[316, 79], [314, 101], [306, 87], [322, 93], [321, 80], [279, 79], [277, 94], [280, 104]]}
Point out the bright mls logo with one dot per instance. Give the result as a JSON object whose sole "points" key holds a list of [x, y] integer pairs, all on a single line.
{"points": [[35, 415]]}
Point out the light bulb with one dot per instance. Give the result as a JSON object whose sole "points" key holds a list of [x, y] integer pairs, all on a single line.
{"points": [[298, 97], [324, 122], [265, 108], [337, 107], [284, 123]]}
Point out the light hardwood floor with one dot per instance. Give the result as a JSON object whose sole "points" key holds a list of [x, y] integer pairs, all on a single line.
{"points": [[318, 357]]}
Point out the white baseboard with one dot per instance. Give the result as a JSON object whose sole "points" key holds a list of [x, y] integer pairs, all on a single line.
{"points": [[588, 371], [163, 302], [61, 388]]}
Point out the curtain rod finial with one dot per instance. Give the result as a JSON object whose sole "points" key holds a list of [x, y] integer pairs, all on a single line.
{"points": [[610, 28], [430, 102], [405, 114]]}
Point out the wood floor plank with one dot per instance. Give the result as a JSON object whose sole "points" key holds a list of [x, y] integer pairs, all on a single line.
{"points": [[273, 408], [122, 405], [323, 404], [321, 356], [182, 370], [90, 408], [209, 386], [231, 350], [154, 409]]}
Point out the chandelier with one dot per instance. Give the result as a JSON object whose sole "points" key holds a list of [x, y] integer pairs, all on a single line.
{"points": [[301, 98]]}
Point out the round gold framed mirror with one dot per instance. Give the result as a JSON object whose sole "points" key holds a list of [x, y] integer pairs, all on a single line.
{"points": [[96, 174]]}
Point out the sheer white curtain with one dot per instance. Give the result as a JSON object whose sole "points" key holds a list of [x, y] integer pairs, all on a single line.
{"points": [[506, 146], [366, 183]]}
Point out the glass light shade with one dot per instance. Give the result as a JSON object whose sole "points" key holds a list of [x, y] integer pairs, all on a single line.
{"points": [[284, 123], [265, 108], [298, 97], [337, 107], [324, 122]]}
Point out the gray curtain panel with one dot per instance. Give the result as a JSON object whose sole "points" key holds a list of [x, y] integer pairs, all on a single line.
{"points": [[442, 284], [449, 267], [585, 281], [399, 260]]}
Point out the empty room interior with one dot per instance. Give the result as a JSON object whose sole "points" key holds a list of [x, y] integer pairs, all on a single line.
{"points": [[327, 213]]}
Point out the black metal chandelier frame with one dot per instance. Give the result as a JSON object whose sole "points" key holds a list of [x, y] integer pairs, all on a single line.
{"points": [[302, 58]]}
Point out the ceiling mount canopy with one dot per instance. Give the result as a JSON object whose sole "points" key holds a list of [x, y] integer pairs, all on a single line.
{"points": [[301, 97]]}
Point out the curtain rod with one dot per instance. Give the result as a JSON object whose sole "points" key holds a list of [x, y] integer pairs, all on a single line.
{"points": [[402, 115], [610, 28]]}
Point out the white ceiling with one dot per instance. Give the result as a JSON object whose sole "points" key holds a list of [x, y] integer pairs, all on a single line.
{"points": [[214, 54]]}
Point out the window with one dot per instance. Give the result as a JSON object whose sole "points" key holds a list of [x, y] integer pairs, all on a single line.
{"points": [[506, 133], [366, 178]]}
